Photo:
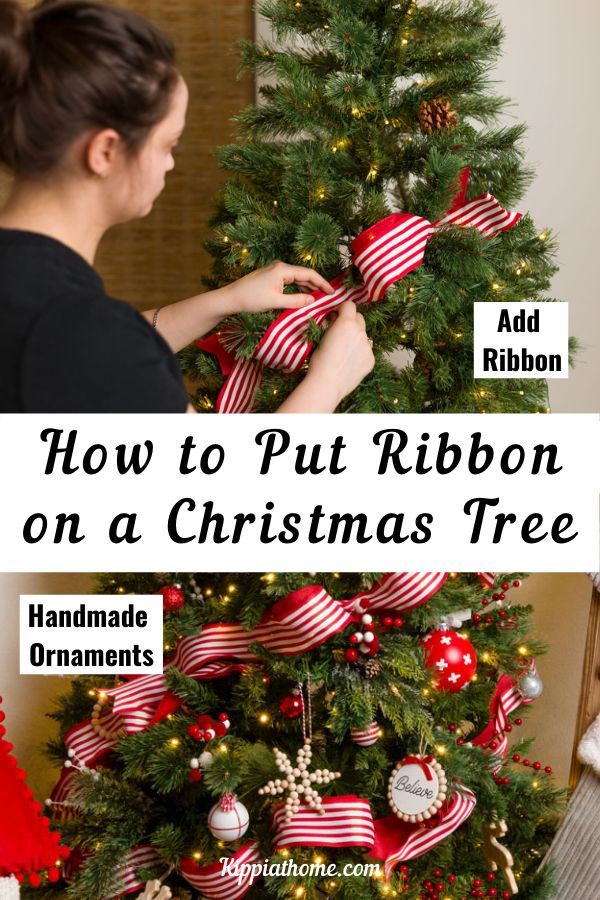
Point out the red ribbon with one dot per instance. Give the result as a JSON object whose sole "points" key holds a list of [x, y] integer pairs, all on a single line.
{"points": [[384, 254], [421, 761], [505, 700]]}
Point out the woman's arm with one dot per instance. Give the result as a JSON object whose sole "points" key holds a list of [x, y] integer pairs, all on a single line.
{"points": [[182, 322]]}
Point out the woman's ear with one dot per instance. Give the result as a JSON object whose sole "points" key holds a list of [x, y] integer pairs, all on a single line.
{"points": [[101, 152]]}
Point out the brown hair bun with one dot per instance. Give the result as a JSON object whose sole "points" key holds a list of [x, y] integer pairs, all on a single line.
{"points": [[15, 53]]}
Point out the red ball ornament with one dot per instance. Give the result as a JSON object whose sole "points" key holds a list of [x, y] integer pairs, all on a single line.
{"points": [[516, 583], [476, 618], [516, 757], [53, 875], [35, 880], [505, 585], [195, 775], [196, 732], [518, 721], [291, 706], [537, 766], [351, 654], [398, 622], [451, 657], [548, 770], [173, 598]]}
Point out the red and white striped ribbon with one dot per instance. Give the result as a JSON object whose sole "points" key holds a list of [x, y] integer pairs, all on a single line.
{"points": [[303, 620], [487, 579], [420, 841], [126, 879], [346, 822], [506, 699], [402, 591], [384, 253], [366, 737], [211, 881]]}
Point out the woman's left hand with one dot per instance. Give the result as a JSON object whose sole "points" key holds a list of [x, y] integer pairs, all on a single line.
{"points": [[262, 289]]}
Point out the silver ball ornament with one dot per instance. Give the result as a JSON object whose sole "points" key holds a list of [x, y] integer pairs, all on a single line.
{"points": [[531, 686]]}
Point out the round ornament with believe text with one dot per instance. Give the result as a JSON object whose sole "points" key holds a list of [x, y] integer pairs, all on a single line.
{"points": [[417, 788]]}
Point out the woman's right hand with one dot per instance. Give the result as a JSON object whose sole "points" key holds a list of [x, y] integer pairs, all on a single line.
{"points": [[344, 356], [340, 363]]}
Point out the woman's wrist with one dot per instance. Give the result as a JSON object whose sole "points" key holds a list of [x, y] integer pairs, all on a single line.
{"points": [[314, 394]]}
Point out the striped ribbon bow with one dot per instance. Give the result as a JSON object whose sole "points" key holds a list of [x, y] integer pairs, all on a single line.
{"points": [[506, 699], [348, 822], [384, 253], [299, 622], [398, 841]]}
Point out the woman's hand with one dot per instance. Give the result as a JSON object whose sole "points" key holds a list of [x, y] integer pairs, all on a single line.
{"points": [[262, 289], [340, 363]]}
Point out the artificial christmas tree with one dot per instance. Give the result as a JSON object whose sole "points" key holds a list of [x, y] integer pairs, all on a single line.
{"points": [[377, 133], [382, 766]]}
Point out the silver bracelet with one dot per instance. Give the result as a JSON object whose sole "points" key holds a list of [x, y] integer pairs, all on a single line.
{"points": [[155, 316]]}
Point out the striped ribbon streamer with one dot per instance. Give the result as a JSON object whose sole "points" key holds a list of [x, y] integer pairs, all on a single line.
{"points": [[301, 621], [420, 841], [506, 699], [346, 822], [384, 253], [126, 879], [210, 881]]}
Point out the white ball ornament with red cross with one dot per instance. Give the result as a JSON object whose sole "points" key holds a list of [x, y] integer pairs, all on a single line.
{"points": [[451, 657]]}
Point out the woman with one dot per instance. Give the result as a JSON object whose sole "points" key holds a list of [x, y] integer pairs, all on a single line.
{"points": [[91, 108]]}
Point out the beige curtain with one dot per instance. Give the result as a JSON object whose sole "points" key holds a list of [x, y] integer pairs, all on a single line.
{"points": [[160, 258]]}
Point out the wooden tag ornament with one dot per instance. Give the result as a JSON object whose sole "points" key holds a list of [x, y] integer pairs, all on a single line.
{"points": [[417, 788]]}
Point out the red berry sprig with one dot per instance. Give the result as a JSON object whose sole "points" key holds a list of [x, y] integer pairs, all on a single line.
{"points": [[206, 728]]}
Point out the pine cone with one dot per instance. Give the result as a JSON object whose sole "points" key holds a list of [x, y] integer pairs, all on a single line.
{"points": [[373, 668], [436, 114]]}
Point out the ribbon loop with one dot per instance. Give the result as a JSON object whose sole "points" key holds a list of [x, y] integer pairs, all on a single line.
{"points": [[422, 761]]}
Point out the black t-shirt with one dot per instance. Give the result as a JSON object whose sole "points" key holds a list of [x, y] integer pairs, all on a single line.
{"points": [[66, 346]]}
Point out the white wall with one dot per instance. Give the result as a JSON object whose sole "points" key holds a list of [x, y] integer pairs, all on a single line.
{"points": [[27, 698], [551, 67]]}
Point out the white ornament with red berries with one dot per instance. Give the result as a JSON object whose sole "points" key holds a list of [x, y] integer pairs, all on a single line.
{"points": [[451, 657]]}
